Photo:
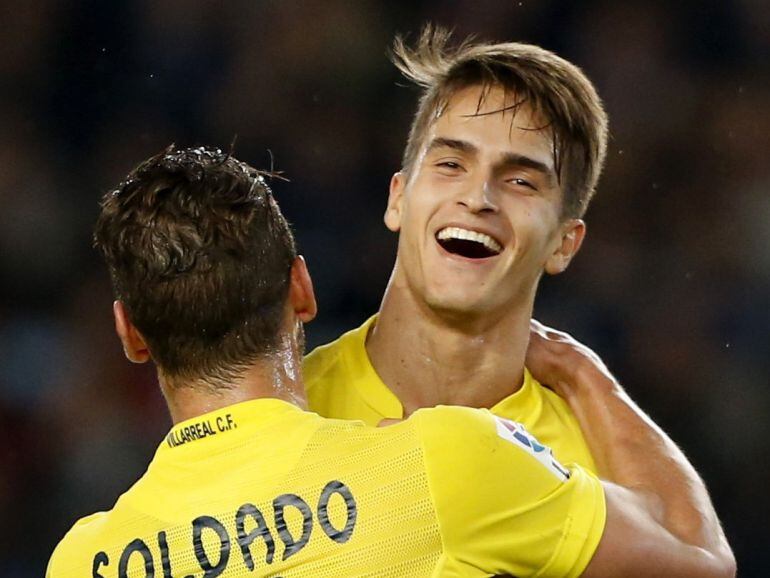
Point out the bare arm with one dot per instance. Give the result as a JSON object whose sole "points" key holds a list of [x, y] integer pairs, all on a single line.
{"points": [[660, 519]]}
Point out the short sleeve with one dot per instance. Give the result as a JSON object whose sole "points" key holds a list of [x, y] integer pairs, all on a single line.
{"points": [[505, 504]]}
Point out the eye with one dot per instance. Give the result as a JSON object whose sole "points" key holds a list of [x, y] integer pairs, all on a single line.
{"points": [[450, 168], [519, 182]]}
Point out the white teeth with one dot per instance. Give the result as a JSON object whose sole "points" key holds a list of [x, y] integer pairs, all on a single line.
{"points": [[466, 235]]}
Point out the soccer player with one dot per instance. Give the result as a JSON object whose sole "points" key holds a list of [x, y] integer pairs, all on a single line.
{"points": [[246, 483], [502, 159]]}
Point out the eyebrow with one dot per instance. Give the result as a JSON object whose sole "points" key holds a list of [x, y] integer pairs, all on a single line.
{"points": [[459, 145], [517, 160], [509, 159]]}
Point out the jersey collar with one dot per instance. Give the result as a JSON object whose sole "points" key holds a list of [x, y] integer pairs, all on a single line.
{"points": [[233, 420], [370, 386]]}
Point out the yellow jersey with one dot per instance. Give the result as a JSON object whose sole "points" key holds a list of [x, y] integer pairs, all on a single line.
{"points": [[341, 383], [262, 488]]}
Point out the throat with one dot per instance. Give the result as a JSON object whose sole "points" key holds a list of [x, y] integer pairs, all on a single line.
{"points": [[427, 359], [424, 373], [475, 388]]}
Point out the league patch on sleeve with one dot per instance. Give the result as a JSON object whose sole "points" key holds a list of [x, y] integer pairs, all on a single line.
{"points": [[518, 435]]}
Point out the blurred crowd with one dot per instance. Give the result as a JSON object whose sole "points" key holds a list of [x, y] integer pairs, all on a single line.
{"points": [[672, 287]]}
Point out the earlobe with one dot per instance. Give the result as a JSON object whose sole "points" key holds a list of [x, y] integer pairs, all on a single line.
{"points": [[571, 240], [134, 345], [393, 211]]}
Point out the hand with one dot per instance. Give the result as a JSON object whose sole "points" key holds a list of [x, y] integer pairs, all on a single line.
{"points": [[385, 422], [559, 361]]}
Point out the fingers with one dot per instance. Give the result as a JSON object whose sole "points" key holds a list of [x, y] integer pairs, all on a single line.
{"points": [[548, 333], [385, 422]]}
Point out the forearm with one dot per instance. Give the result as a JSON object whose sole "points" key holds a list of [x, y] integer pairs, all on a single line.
{"points": [[632, 451]]}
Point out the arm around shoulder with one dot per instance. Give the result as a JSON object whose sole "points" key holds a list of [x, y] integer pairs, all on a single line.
{"points": [[635, 543], [660, 519], [504, 503]]}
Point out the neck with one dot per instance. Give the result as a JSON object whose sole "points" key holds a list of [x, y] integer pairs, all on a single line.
{"points": [[429, 358], [277, 376]]}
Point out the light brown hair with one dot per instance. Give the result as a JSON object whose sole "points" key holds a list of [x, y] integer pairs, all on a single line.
{"points": [[549, 85]]}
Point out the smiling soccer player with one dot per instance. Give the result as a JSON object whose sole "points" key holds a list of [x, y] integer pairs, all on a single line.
{"points": [[502, 159]]}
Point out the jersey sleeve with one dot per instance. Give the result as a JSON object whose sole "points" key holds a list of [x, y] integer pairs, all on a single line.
{"points": [[505, 504]]}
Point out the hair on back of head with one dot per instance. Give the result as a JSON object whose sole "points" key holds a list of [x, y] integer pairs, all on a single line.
{"points": [[550, 86], [200, 255]]}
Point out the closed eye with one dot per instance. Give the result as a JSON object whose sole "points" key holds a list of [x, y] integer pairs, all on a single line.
{"points": [[449, 168]]}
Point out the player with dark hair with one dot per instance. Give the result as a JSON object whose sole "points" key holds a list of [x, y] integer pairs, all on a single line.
{"points": [[247, 484]]}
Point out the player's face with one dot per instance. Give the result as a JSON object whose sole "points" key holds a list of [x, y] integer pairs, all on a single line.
{"points": [[479, 214]]}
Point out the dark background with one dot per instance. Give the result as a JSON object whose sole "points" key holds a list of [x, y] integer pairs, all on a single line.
{"points": [[672, 286]]}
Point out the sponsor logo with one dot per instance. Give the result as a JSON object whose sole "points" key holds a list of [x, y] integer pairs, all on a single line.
{"points": [[517, 434]]}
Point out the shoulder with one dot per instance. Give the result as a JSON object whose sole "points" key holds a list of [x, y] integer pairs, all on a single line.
{"points": [[450, 424], [502, 500], [320, 362], [482, 438], [321, 357], [325, 363], [341, 382], [69, 556], [550, 418], [552, 407]]}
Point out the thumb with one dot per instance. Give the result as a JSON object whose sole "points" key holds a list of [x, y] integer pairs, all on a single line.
{"points": [[389, 421]]}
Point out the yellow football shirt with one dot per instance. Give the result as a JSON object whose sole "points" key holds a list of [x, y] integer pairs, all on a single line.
{"points": [[341, 383], [262, 488]]}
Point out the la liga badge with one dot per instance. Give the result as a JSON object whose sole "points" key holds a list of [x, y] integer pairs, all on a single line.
{"points": [[518, 435]]}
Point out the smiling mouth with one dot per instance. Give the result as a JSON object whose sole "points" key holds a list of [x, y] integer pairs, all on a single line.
{"points": [[468, 244]]}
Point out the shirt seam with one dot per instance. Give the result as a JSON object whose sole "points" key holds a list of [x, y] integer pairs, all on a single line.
{"points": [[559, 557], [429, 477]]}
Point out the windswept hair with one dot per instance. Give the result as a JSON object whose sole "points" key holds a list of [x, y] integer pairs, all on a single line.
{"points": [[200, 255], [550, 86]]}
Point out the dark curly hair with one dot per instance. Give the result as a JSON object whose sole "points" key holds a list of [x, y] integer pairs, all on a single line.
{"points": [[200, 255]]}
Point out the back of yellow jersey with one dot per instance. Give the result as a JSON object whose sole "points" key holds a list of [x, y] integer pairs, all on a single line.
{"points": [[263, 489]]}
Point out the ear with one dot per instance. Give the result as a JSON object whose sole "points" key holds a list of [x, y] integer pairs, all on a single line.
{"points": [[393, 212], [134, 345], [301, 294], [572, 234]]}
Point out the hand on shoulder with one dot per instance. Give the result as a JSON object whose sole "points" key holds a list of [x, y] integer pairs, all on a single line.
{"points": [[562, 363]]}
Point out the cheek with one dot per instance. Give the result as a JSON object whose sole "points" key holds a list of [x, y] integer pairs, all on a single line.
{"points": [[411, 236], [417, 211], [534, 225], [408, 220]]}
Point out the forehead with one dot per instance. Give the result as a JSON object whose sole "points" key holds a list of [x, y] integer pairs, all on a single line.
{"points": [[493, 119]]}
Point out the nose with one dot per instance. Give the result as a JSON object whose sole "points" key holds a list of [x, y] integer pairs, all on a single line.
{"points": [[479, 199]]}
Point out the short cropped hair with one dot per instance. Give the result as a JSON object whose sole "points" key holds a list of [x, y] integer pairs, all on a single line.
{"points": [[552, 87], [200, 255]]}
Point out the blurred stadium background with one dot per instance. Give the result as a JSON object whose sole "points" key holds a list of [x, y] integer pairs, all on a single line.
{"points": [[672, 287]]}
